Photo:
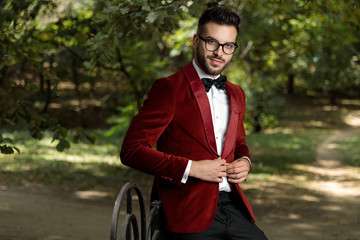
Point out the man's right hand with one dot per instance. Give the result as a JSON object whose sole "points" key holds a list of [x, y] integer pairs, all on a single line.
{"points": [[209, 170]]}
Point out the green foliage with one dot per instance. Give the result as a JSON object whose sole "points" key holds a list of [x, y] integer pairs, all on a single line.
{"points": [[29, 41], [125, 45], [137, 41], [130, 40], [332, 65], [285, 37], [122, 121], [6, 145]]}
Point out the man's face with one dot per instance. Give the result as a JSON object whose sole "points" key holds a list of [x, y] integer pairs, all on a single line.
{"points": [[213, 63]]}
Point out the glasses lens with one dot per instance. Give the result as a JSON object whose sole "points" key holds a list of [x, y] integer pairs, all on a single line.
{"points": [[229, 48], [211, 45]]}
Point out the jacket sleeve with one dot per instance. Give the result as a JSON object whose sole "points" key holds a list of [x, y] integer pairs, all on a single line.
{"points": [[145, 129]]}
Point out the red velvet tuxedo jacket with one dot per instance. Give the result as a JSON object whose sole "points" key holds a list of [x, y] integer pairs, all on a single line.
{"points": [[176, 116]]}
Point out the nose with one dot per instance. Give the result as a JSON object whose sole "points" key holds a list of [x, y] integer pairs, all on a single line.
{"points": [[218, 51]]}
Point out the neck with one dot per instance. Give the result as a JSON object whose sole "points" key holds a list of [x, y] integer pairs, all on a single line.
{"points": [[201, 72]]}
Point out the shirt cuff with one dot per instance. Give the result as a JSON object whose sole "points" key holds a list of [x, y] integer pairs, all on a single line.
{"points": [[186, 173]]}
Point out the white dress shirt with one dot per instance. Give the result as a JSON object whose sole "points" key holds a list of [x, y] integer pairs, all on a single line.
{"points": [[220, 113]]}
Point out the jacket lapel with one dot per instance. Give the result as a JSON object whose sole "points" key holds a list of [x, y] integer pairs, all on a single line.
{"points": [[233, 122], [203, 103]]}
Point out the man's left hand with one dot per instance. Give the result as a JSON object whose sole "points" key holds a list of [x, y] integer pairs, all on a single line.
{"points": [[238, 170]]}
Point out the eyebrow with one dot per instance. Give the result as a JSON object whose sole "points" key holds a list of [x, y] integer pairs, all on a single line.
{"points": [[209, 37]]}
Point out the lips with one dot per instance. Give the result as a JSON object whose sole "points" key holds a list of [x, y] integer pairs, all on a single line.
{"points": [[216, 61]]}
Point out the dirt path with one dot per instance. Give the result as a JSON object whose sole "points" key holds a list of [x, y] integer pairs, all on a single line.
{"points": [[36, 214], [322, 203]]}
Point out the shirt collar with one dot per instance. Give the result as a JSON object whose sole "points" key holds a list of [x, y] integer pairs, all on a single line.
{"points": [[201, 73]]}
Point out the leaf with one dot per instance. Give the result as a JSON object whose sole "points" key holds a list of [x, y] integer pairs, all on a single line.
{"points": [[146, 8], [5, 149], [6, 140], [111, 9], [124, 10], [17, 149], [62, 145], [151, 17], [76, 138], [63, 131], [89, 65], [36, 133], [91, 138]]}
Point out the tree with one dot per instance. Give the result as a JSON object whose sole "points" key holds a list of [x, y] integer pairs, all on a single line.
{"points": [[26, 46], [333, 61], [128, 44]]}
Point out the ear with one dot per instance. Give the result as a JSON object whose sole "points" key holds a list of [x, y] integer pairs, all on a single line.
{"points": [[196, 41]]}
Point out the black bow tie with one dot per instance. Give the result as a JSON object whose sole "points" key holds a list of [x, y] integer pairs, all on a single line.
{"points": [[219, 83]]}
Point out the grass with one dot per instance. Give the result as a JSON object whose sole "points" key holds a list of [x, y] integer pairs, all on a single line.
{"points": [[305, 124], [276, 152], [82, 167], [97, 166], [349, 150]]}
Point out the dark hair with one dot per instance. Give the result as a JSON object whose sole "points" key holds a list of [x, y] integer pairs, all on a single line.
{"points": [[219, 15]]}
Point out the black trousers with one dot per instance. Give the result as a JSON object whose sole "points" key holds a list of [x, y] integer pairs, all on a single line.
{"points": [[231, 223]]}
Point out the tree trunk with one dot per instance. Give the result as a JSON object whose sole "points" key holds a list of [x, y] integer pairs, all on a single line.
{"points": [[76, 81], [48, 86], [333, 97], [133, 84], [42, 77], [290, 84]]}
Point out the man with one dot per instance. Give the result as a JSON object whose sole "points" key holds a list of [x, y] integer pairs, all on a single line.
{"points": [[201, 156]]}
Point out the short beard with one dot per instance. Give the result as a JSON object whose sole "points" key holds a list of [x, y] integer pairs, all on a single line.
{"points": [[202, 62]]}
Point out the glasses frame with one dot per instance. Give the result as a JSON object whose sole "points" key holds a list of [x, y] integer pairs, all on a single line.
{"points": [[219, 44]]}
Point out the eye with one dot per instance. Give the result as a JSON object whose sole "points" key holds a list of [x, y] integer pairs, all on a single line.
{"points": [[229, 45], [212, 42]]}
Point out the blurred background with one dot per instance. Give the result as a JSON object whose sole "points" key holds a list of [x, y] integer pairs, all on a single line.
{"points": [[74, 73]]}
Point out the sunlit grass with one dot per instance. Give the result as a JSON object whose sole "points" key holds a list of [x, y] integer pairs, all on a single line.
{"points": [[83, 166], [349, 150], [105, 150], [87, 166], [276, 152]]}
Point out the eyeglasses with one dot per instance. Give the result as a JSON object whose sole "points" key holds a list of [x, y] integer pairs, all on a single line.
{"points": [[213, 45]]}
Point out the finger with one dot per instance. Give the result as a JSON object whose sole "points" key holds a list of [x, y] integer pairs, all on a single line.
{"points": [[222, 161], [229, 166], [239, 168], [239, 163], [219, 180], [230, 170], [219, 161], [236, 180], [236, 175], [233, 170], [233, 176]]}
